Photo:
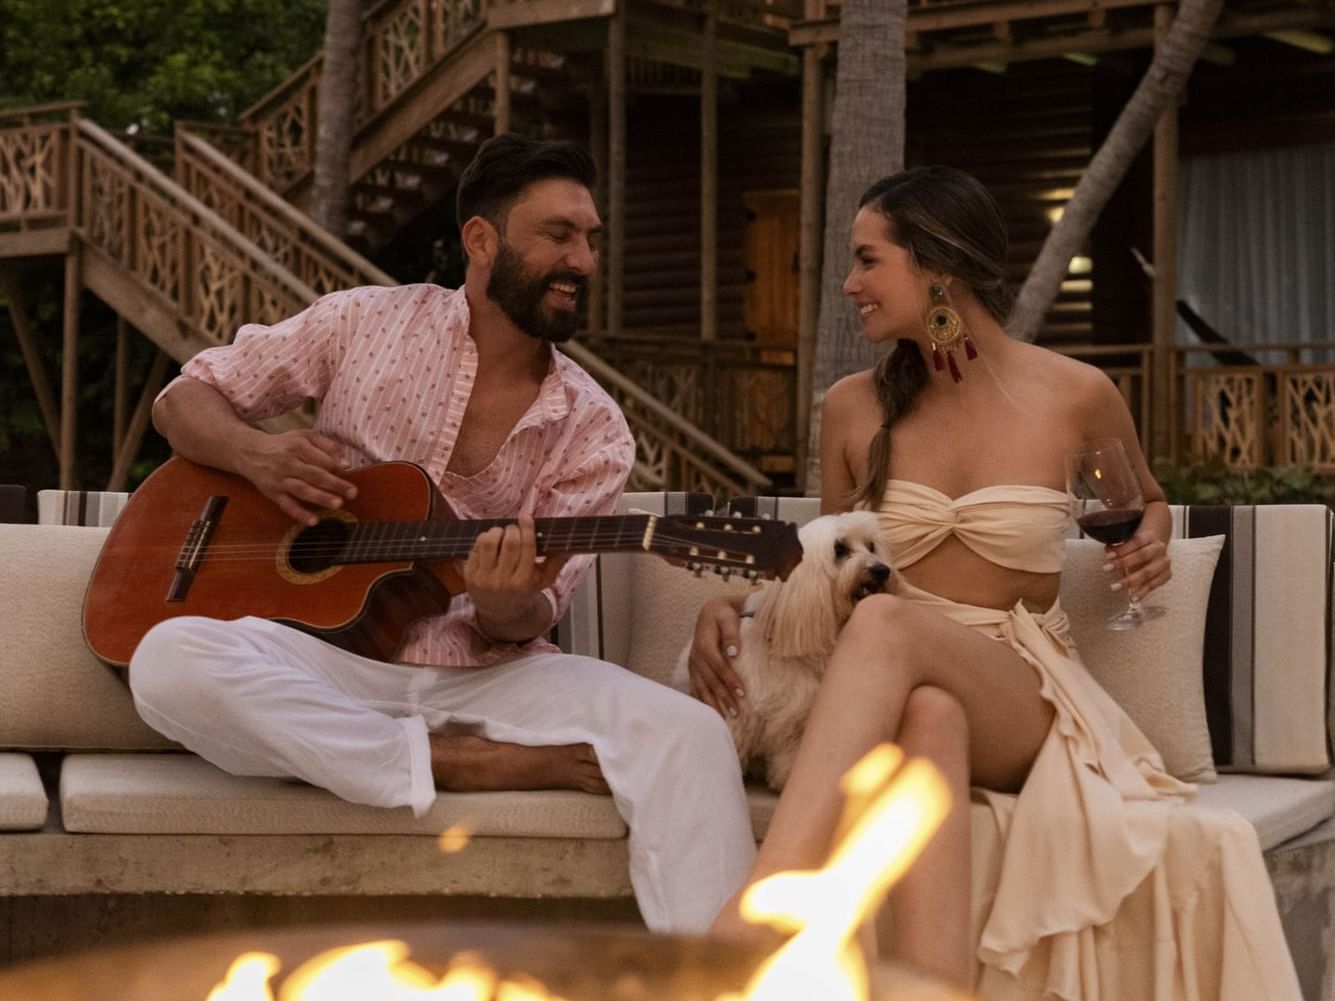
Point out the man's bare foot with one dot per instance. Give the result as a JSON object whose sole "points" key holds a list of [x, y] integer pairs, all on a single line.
{"points": [[473, 764]]}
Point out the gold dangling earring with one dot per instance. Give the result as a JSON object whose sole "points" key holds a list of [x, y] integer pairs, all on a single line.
{"points": [[946, 330]]}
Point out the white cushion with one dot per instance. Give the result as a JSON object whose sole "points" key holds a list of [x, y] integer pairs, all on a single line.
{"points": [[1278, 808], [54, 694], [184, 794], [1155, 671], [665, 600], [22, 798]]}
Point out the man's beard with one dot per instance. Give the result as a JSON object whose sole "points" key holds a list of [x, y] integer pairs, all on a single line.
{"points": [[520, 297]]}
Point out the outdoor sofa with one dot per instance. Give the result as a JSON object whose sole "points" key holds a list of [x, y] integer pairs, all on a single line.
{"points": [[97, 808]]}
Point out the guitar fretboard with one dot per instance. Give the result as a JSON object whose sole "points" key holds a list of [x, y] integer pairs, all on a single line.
{"points": [[395, 541]]}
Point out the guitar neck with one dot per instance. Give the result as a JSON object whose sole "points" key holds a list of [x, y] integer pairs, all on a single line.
{"points": [[396, 541]]}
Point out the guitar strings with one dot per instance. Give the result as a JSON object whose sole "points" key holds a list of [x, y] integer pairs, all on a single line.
{"points": [[263, 549]]}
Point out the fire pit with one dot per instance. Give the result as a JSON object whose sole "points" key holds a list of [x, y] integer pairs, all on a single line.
{"points": [[891, 809], [575, 964]]}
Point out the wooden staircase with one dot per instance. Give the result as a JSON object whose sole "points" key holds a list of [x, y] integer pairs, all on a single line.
{"points": [[186, 261]]}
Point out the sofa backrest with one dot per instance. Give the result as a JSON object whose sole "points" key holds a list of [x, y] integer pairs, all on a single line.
{"points": [[54, 694], [1268, 628]]}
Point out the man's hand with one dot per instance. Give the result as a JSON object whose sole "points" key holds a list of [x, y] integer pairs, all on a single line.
{"points": [[298, 471], [717, 640], [505, 581]]}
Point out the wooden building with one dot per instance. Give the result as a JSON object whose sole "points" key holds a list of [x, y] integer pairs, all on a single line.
{"points": [[709, 120]]}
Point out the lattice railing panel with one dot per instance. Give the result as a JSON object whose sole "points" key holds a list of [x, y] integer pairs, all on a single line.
{"points": [[157, 256], [107, 208], [202, 270], [1309, 418], [1229, 416], [287, 138], [291, 244], [31, 171], [404, 42], [399, 49]]}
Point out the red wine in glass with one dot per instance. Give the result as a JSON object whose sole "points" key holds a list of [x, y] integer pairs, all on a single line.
{"points": [[1111, 526], [1107, 502]]}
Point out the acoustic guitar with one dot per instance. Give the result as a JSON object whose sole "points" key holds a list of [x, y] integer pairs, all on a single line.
{"points": [[198, 541]]}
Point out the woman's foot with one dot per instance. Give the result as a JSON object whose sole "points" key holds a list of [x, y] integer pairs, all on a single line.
{"points": [[473, 764]]}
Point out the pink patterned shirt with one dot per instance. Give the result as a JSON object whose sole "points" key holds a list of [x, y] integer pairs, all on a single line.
{"points": [[393, 368]]}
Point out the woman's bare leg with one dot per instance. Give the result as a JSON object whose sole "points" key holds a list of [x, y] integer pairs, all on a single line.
{"points": [[889, 648], [937, 884]]}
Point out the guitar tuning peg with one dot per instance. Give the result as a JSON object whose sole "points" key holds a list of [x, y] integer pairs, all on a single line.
{"points": [[724, 572], [698, 570]]}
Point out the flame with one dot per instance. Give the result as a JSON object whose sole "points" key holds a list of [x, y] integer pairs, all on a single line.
{"points": [[891, 813], [891, 810]]}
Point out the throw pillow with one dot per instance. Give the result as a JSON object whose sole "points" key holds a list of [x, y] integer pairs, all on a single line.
{"points": [[666, 600], [1154, 671]]}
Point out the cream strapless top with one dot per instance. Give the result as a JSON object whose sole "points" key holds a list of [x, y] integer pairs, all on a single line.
{"points": [[1021, 527]]}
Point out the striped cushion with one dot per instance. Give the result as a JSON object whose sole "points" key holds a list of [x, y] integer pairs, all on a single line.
{"points": [[1268, 635], [95, 508]]}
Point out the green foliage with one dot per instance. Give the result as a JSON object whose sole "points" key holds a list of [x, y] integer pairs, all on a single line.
{"points": [[140, 64], [1210, 481], [143, 63]]}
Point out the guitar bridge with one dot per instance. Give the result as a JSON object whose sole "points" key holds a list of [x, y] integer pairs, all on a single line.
{"points": [[191, 556]]}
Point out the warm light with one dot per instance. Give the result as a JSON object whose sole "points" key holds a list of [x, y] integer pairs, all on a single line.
{"points": [[247, 979], [826, 907], [1081, 265], [454, 839], [1054, 214], [891, 810]]}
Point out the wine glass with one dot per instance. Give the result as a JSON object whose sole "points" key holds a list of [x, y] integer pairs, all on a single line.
{"points": [[1107, 503]]}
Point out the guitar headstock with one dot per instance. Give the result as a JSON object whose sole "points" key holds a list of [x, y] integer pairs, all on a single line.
{"points": [[756, 548]]}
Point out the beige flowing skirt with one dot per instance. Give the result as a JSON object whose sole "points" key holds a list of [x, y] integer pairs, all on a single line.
{"points": [[1100, 881]]}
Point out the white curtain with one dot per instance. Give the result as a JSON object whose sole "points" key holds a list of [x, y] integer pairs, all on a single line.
{"points": [[1257, 247]]}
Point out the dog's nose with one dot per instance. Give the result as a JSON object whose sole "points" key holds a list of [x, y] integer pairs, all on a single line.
{"points": [[879, 573]]}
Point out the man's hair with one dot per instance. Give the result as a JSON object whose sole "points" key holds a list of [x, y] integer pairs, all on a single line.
{"points": [[506, 164]]}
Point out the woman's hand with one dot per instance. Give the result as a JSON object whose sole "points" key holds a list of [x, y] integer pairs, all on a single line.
{"points": [[717, 640], [1143, 563]]}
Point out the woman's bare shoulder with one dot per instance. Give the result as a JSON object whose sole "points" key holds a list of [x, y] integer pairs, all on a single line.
{"points": [[852, 393], [1071, 378]]}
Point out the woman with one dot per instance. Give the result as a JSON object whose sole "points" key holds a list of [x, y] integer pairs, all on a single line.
{"points": [[958, 440]]}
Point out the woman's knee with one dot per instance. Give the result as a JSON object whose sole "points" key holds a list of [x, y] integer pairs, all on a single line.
{"points": [[884, 630], [935, 725]]}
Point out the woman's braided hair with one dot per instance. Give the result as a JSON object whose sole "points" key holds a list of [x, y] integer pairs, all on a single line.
{"points": [[949, 223]]}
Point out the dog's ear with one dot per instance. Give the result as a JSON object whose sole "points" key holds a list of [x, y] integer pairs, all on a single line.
{"points": [[797, 618]]}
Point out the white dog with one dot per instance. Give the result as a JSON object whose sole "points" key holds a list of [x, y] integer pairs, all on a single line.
{"points": [[789, 629]]}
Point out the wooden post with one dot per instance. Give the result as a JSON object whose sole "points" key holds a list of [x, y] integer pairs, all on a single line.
{"points": [[128, 447], [616, 169], [69, 369], [598, 143], [120, 399], [709, 176], [809, 241], [1162, 420], [501, 105]]}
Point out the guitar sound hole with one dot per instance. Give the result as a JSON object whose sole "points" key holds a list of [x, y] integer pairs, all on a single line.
{"points": [[319, 547]]}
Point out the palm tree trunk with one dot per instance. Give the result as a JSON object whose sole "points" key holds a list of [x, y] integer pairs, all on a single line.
{"points": [[336, 103], [1173, 60], [867, 143]]}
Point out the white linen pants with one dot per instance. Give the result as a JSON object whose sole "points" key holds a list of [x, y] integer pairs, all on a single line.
{"points": [[257, 698]]}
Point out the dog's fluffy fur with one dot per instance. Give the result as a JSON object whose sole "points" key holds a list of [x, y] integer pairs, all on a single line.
{"points": [[788, 631]]}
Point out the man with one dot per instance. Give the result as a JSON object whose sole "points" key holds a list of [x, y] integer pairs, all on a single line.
{"points": [[467, 384]]}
